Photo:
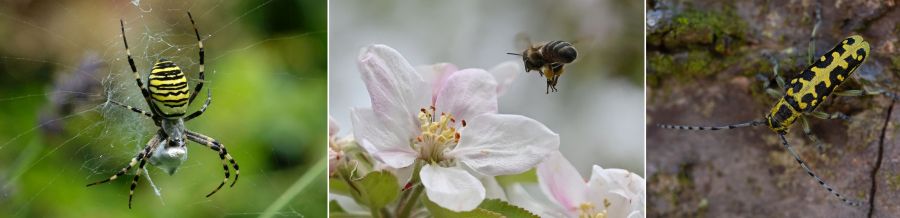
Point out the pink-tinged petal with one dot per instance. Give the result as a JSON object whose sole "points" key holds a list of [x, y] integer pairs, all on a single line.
{"points": [[467, 94], [500, 144], [379, 136], [506, 73], [333, 158], [333, 127], [622, 189], [561, 182], [452, 188], [519, 196], [395, 89], [436, 75]]}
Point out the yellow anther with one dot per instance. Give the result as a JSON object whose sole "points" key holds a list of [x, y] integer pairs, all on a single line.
{"points": [[437, 135], [587, 210]]}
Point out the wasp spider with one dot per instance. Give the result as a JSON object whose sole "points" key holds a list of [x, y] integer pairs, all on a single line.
{"points": [[167, 96]]}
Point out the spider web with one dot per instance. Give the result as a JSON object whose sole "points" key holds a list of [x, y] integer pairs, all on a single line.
{"points": [[80, 127]]}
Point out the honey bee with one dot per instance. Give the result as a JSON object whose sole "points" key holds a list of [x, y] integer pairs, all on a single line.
{"points": [[548, 59]]}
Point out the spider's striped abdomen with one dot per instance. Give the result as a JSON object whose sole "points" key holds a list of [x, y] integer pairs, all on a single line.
{"points": [[809, 89], [168, 88]]}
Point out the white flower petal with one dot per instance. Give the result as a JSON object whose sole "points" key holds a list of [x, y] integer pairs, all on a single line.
{"points": [[436, 75], [467, 94], [499, 144], [395, 89], [492, 188], [636, 214], [519, 196], [561, 182], [452, 188], [505, 73], [379, 136], [622, 189], [349, 205]]}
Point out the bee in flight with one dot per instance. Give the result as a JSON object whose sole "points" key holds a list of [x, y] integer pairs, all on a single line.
{"points": [[548, 59]]}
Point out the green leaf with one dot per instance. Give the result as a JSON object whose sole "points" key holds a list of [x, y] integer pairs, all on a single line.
{"points": [[439, 212], [334, 207], [529, 176], [380, 188], [346, 215], [506, 209], [338, 186]]}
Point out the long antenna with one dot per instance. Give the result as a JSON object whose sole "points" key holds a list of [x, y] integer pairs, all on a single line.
{"points": [[811, 174], [513, 54], [732, 126]]}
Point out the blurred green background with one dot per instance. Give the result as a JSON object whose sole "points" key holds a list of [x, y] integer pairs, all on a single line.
{"points": [[60, 60]]}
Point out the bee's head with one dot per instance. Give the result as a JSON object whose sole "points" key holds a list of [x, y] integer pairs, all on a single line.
{"points": [[532, 60]]}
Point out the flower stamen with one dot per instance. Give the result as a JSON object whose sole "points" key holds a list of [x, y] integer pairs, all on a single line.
{"points": [[437, 135], [588, 210]]}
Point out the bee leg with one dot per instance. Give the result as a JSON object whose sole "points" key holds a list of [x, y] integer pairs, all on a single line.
{"points": [[548, 88], [555, 80], [812, 137]]}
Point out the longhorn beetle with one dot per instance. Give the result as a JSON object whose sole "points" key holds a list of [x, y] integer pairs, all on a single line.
{"points": [[805, 93]]}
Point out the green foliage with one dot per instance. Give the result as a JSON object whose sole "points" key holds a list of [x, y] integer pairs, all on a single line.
{"points": [[440, 212], [529, 176], [377, 189], [487, 208], [503, 207]]}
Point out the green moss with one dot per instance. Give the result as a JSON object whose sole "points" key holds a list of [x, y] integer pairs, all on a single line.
{"points": [[685, 67], [692, 28], [894, 182]]}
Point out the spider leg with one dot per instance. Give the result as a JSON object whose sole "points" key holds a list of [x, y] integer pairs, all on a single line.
{"points": [[202, 109], [134, 181], [134, 161], [141, 157], [811, 174], [223, 154], [148, 114], [137, 77], [202, 76]]}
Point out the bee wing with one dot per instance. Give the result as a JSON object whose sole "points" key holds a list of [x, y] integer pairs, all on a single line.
{"points": [[587, 40], [523, 41]]}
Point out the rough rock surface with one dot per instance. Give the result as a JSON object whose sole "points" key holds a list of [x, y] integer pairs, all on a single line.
{"points": [[707, 65]]}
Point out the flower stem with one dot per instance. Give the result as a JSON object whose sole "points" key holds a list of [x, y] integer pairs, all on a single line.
{"points": [[411, 202], [410, 197]]}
